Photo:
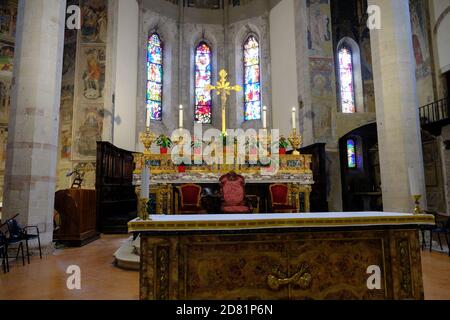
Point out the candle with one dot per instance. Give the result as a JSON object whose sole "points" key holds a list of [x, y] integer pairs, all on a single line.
{"points": [[145, 182], [180, 119], [294, 118], [147, 124], [264, 117], [413, 183]]}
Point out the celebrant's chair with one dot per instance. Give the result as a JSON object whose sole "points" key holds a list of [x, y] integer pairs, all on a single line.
{"points": [[232, 191], [279, 196], [190, 199]]}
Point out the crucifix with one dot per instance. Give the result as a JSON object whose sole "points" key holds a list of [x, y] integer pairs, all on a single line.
{"points": [[224, 90]]}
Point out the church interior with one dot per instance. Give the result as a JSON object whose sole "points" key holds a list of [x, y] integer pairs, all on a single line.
{"points": [[224, 149]]}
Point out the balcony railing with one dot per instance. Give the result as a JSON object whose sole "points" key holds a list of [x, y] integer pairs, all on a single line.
{"points": [[434, 112]]}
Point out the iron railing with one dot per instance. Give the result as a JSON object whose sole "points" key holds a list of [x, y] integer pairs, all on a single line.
{"points": [[434, 112]]}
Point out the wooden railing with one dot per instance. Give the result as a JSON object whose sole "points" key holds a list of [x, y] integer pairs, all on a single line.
{"points": [[434, 112]]}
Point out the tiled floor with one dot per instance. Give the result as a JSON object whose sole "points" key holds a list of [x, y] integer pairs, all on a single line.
{"points": [[46, 278], [101, 280]]}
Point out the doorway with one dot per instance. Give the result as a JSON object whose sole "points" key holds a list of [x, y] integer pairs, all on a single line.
{"points": [[360, 170]]}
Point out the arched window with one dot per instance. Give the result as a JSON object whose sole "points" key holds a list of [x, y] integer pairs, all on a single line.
{"points": [[252, 80], [351, 154], [346, 80], [154, 76], [203, 100]]}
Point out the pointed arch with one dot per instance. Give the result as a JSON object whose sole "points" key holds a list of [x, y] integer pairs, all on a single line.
{"points": [[252, 79], [155, 75], [203, 77]]}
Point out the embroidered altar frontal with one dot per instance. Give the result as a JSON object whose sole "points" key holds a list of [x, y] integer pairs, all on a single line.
{"points": [[287, 256]]}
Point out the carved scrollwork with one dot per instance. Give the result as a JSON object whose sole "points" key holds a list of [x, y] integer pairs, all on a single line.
{"points": [[302, 279]]}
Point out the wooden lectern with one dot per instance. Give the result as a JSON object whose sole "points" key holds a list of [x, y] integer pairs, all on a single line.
{"points": [[77, 219]]}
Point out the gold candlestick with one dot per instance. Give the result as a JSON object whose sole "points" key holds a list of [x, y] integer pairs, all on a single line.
{"points": [[141, 205], [295, 141], [147, 138], [417, 209]]}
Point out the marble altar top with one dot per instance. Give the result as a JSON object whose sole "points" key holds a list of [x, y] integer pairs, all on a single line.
{"points": [[226, 222], [206, 178]]}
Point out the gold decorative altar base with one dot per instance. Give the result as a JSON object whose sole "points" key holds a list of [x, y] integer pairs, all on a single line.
{"points": [[288, 256]]}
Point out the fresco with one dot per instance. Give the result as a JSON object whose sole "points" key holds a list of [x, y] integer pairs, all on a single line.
{"points": [[94, 26], [5, 101], [366, 56], [93, 73], [8, 19], [89, 127], [322, 77], [6, 57], [319, 27], [420, 38], [69, 59]]}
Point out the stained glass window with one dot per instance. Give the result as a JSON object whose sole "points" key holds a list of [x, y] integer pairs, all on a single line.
{"points": [[203, 100], [252, 80], [346, 80], [351, 153], [154, 76]]}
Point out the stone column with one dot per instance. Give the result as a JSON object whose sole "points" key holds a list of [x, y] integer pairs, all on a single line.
{"points": [[34, 118], [396, 105]]}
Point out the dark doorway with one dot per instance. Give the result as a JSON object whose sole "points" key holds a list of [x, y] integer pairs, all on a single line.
{"points": [[360, 170]]}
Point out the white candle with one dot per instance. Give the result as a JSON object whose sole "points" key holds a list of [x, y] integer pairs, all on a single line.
{"points": [[413, 183], [145, 182], [147, 124], [264, 117], [180, 119], [294, 118]]}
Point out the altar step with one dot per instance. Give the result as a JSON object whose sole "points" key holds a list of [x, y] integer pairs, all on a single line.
{"points": [[127, 256]]}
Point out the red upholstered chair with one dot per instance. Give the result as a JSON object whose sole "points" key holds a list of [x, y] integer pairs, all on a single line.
{"points": [[232, 189], [190, 199], [279, 195]]}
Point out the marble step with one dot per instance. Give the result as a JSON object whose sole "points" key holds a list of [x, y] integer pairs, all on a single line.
{"points": [[127, 257]]}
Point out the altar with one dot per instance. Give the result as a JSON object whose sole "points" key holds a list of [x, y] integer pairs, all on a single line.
{"points": [[294, 171], [367, 255]]}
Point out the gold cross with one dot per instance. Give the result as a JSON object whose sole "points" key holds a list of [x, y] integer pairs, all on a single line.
{"points": [[224, 90]]}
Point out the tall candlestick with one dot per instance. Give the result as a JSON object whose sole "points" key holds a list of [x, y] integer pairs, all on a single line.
{"points": [[147, 115], [294, 118], [145, 182], [264, 117], [180, 119]]}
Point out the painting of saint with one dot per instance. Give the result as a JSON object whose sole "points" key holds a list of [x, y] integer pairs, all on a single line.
{"points": [[94, 74], [420, 39], [89, 132], [94, 21], [6, 57], [318, 26]]}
